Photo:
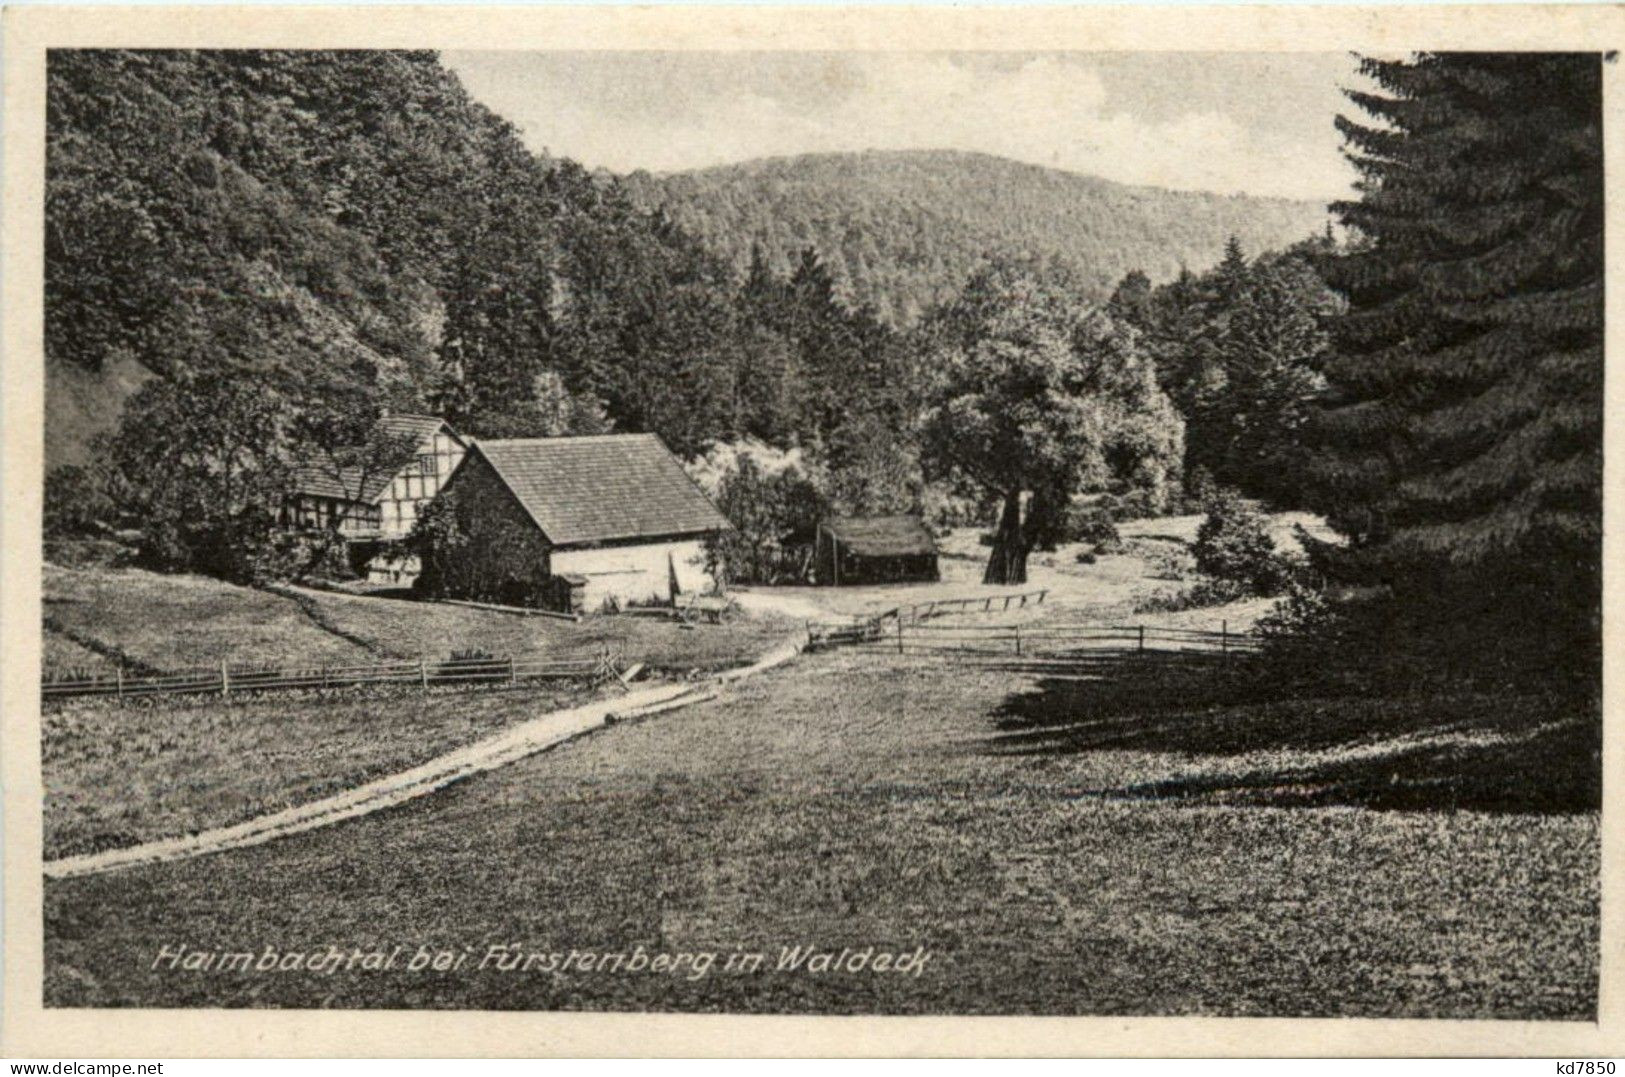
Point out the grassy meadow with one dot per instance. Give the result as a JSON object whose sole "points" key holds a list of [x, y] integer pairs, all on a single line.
{"points": [[1057, 847], [1153, 841], [174, 622], [177, 622], [117, 775]]}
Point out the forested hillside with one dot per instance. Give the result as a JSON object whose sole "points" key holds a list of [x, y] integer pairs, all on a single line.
{"points": [[216, 209], [902, 230], [352, 228], [250, 255]]}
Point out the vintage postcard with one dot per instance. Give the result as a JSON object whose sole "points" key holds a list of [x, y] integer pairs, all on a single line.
{"points": [[845, 531]]}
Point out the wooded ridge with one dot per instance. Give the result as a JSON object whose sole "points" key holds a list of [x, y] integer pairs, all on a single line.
{"points": [[901, 229]]}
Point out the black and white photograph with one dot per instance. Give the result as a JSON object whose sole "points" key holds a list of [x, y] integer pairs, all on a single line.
{"points": [[1057, 532]]}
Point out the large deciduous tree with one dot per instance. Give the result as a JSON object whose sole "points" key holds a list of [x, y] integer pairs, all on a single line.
{"points": [[1038, 395], [1461, 451], [200, 463]]}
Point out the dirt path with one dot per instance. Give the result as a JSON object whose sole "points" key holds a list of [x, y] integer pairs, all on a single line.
{"points": [[317, 617], [516, 743], [782, 604]]}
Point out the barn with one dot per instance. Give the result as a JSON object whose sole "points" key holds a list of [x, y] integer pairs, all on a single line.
{"points": [[570, 523], [874, 549]]}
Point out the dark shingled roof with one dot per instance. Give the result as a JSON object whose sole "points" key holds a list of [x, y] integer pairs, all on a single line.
{"points": [[348, 483], [342, 483], [882, 536], [423, 427], [599, 489]]}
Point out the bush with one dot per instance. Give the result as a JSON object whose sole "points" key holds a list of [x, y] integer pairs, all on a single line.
{"points": [[1078, 521], [294, 556], [1169, 560], [1110, 545], [75, 502], [767, 498], [1207, 593], [1137, 504], [499, 560], [1303, 612], [245, 549], [1234, 544], [944, 510], [1092, 523], [1198, 490]]}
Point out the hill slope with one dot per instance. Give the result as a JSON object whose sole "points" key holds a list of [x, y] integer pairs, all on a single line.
{"points": [[901, 229], [341, 231]]}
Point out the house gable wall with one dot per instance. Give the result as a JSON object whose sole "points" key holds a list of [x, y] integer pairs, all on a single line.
{"points": [[416, 484], [500, 555]]}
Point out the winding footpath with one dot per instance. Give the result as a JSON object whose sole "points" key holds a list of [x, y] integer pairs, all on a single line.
{"points": [[506, 747]]}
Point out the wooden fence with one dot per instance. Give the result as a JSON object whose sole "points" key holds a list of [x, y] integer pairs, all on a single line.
{"points": [[921, 611], [1060, 642], [226, 680]]}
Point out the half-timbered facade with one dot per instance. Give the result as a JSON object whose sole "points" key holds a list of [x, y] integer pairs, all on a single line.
{"points": [[380, 503]]}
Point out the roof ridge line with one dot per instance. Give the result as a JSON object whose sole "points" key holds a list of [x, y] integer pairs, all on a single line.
{"points": [[555, 439]]}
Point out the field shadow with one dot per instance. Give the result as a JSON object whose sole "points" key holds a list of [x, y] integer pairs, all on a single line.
{"points": [[1238, 745]]}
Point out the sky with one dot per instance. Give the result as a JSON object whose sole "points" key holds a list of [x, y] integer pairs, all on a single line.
{"points": [[1258, 124]]}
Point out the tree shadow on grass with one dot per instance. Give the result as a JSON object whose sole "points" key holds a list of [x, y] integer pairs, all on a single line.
{"points": [[1247, 745]]}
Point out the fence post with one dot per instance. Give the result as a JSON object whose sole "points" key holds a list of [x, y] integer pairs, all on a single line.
{"points": [[511, 678], [1142, 638], [1224, 640], [899, 635], [423, 674], [119, 672], [1018, 641], [225, 679]]}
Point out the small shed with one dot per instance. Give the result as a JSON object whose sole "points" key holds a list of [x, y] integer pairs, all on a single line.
{"points": [[874, 549]]}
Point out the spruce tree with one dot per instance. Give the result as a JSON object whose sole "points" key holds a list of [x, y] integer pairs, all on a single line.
{"points": [[1230, 278], [1461, 448]]}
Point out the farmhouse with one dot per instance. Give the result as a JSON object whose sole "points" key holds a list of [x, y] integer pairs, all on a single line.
{"points": [[381, 502], [376, 505], [874, 549], [570, 523]]}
